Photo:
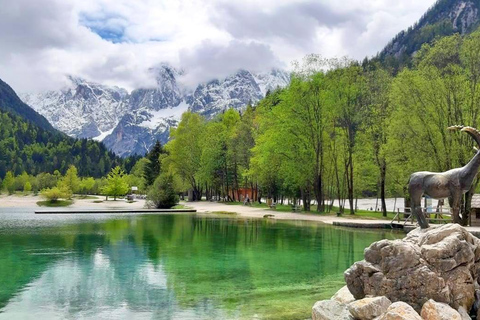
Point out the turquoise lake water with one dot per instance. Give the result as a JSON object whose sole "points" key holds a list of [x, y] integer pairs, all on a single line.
{"points": [[170, 266]]}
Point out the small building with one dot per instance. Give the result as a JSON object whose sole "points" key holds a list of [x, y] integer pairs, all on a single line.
{"points": [[475, 211]]}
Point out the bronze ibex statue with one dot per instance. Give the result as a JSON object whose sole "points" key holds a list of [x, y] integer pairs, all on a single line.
{"points": [[451, 184]]}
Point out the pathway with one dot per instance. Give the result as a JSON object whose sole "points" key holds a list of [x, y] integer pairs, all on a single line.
{"points": [[250, 212]]}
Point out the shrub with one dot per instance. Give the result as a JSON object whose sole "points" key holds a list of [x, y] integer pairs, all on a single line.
{"points": [[9, 183], [27, 187], [162, 194], [53, 194]]}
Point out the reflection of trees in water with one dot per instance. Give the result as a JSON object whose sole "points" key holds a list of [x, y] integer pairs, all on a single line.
{"points": [[170, 264]]}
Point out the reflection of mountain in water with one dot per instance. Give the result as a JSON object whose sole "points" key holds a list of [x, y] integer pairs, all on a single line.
{"points": [[172, 267]]}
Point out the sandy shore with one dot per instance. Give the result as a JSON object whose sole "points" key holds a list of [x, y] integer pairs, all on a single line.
{"points": [[19, 201]]}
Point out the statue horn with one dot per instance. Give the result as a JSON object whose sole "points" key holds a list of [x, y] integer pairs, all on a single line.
{"points": [[455, 128], [474, 133]]}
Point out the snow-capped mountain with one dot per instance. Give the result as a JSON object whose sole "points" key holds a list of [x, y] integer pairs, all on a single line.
{"points": [[131, 123], [82, 109]]}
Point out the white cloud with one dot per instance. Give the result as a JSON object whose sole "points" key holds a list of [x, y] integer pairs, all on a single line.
{"points": [[42, 41]]}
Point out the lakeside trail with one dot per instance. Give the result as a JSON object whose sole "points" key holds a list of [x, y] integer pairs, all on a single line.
{"points": [[250, 212]]}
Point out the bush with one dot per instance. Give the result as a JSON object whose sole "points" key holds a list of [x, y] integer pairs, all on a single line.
{"points": [[27, 187], [162, 194], [9, 183], [53, 194]]}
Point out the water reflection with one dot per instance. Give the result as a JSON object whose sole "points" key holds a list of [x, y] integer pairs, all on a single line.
{"points": [[174, 267]]}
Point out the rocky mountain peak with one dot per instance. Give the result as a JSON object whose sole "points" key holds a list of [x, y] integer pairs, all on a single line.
{"points": [[444, 18]]}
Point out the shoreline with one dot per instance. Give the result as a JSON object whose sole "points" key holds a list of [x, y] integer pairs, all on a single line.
{"points": [[205, 207]]}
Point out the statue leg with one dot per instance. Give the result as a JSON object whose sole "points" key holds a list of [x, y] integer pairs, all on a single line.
{"points": [[454, 202], [416, 199]]}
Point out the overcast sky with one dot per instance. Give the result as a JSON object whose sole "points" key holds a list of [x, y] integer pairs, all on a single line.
{"points": [[116, 42]]}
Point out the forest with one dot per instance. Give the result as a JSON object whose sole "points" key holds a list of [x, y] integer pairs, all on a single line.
{"points": [[340, 130], [27, 147]]}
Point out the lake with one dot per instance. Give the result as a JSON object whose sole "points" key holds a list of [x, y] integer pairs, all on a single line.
{"points": [[170, 266]]}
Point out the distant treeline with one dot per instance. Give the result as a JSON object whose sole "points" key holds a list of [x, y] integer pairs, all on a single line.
{"points": [[26, 147]]}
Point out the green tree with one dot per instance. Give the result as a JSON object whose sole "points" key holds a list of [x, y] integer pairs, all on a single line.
{"points": [[27, 187], [70, 181], [54, 194], [152, 166], [162, 194], [86, 185], [376, 122], [9, 183], [116, 184], [185, 151]]}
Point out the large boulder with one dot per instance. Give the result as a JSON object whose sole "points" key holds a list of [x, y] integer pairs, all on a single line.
{"points": [[343, 296], [400, 311], [433, 310], [464, 314], [440, 263], [369, 308], [330, 309]]}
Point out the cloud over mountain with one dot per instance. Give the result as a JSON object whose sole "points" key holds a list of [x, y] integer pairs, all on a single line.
{"points": [[117, 42]]}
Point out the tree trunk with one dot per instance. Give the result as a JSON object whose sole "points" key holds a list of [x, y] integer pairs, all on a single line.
{"points": [[383, 173]]}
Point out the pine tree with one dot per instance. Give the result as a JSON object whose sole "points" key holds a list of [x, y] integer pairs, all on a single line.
{"points": [[152, 168]]}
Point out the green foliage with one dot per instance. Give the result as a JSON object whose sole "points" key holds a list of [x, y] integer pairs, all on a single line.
{"points": [[55, 204], [27, 187], [116, 184], [9, 182], [54, 194], [185, 151], [70, 181], [152, 165], [162, 194], [26, 147], [136, 178], [87, 185]]}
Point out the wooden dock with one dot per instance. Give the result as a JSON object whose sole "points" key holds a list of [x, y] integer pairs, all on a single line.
{"points": [[369, 225], [114, 211]]}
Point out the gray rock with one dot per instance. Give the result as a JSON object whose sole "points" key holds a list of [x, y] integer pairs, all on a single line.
{"points": [[400, 311], [330, 309], [433, 310], [343, 296], [369, 308], [463, 313], [439, 263]]}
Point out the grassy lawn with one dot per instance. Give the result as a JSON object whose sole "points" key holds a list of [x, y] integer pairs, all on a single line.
{"points": [[359, 214], [180, 206], [224, 212], [78, 196], [54, 204]]}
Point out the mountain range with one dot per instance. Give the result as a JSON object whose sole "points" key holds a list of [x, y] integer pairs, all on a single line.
{"points": [[130, 123]]}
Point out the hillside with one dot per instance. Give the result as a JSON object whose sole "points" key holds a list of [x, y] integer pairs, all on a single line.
{"points": [[29, 143], [444, 18], [9, 101]]}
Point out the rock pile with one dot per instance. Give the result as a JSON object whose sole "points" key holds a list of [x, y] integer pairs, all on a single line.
{"points": [[430, 274]]}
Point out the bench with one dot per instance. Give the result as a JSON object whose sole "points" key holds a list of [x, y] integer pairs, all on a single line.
{"points": [[273, 205]]}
